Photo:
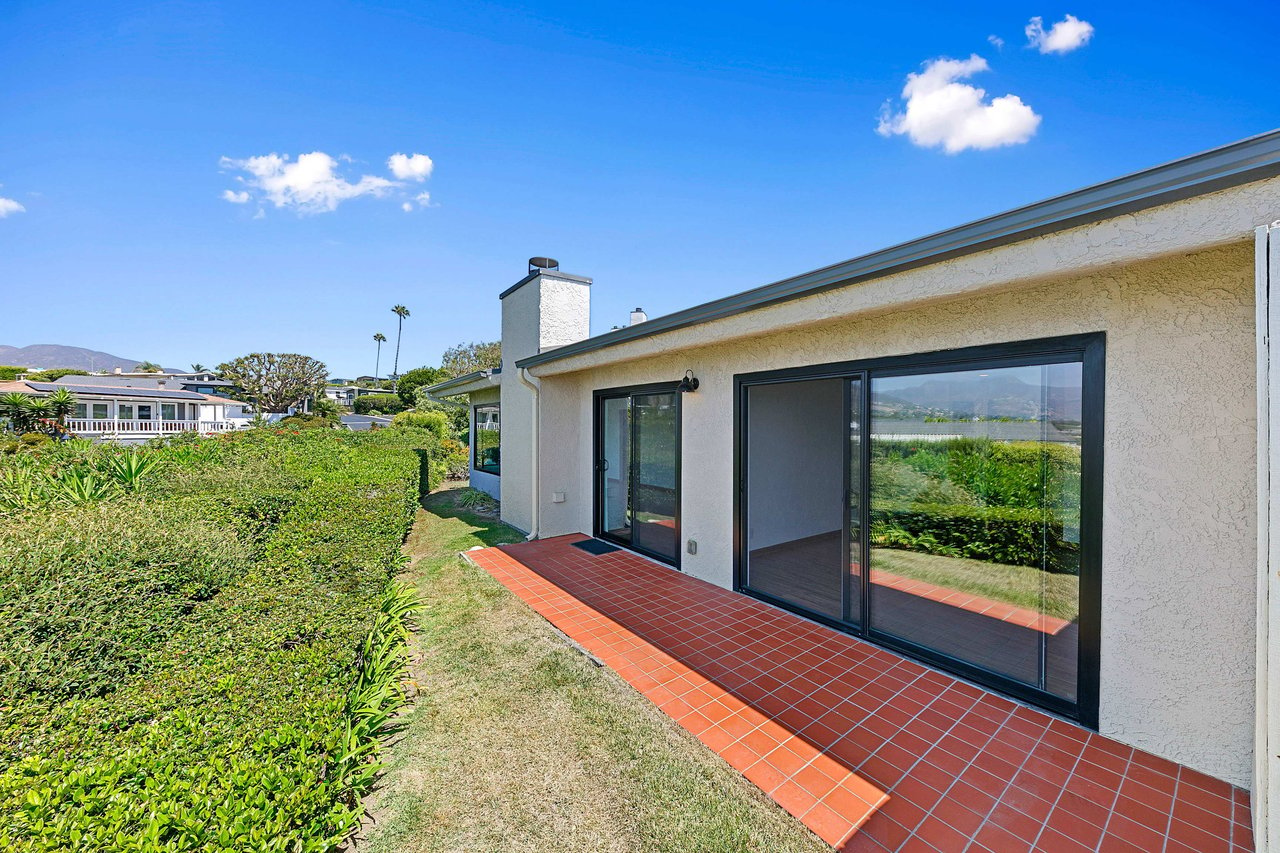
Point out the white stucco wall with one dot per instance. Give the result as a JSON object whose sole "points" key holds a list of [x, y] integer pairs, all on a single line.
{"points": [[547, 311], [1179, 479]]}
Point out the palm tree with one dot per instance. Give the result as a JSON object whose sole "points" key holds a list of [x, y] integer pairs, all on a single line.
{"points": [[13, 406], [380, 339], [38, 409], [148, 367], [197, 367], [61, 404], [401, 312]]}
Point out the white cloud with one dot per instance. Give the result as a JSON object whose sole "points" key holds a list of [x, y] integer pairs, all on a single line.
{"points": [[1063, 37], [423, 199], [941, 111], [996, 42], [406, 207], [410, 167], [310, 184], [261, 214], [9, 206], [235, 197]]}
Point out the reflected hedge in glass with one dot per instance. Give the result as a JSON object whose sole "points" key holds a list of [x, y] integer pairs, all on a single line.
{"points": [[486, 438], [975, 517]]}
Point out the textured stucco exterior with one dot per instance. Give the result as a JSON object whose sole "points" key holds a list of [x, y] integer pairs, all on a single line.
{"points": [[1179, 558], [546, 311]]}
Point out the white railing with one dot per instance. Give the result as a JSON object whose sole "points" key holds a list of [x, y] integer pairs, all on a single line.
{"points": [[94, 426]]}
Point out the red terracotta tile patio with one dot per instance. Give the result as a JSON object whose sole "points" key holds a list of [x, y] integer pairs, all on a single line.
{"points": [[871, 751]]}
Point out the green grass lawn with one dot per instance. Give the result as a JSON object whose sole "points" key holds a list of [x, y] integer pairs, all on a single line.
{"points": [[1053, 594], [516, 741]]}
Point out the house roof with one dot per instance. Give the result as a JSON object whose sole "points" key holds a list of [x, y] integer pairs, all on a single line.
{"points": [[150, 381], [113, 391], [477, 381], [1242, 162]]}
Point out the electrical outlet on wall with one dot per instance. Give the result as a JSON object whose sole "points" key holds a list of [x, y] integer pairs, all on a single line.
{"points": [[692, 546]]}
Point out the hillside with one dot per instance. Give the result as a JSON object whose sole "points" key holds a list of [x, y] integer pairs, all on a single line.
{"points": [[44, 356]]}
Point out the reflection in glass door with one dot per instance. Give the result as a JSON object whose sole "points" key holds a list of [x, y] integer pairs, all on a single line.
{"points": [[614, 468], [638, 471], [654, 494]]}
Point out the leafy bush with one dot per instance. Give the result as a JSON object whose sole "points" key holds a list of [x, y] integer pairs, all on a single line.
{"points": [[230, 689], [457, 459], [387, 404], [306, 422], [86, 594], [434, 422], [1011, 535]]}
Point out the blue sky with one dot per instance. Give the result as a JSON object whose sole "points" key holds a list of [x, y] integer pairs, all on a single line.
{"points": [[676, 153]]}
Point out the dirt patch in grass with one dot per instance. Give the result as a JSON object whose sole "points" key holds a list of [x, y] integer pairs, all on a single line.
{"points": [[517, 742]]}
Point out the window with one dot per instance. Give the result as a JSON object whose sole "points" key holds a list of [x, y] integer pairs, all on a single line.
{"points": [[144, 411], [100, 411], [945, 505], [169, 411], [486, 444], [124, 411], [82, 411]]}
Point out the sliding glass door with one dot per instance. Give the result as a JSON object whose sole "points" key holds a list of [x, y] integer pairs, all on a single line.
{"points": [[638, 469], [942, 505]]}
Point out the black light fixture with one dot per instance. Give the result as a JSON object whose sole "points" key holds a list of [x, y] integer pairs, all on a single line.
{"points": [[689, 384]]}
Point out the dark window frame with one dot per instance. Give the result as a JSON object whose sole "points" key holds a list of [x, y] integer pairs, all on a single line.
{"points": [[494, 470], [1090, 350], [597, 454]]}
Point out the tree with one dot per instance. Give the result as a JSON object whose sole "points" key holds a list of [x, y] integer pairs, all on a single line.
{"points": [[13, 405], [276, 381], [379, 339], [53, 374], [62, 403], [323, 407], [408, 384], [197, 367], [148, 367], [401, 312], [468, 358], [383, 404]]}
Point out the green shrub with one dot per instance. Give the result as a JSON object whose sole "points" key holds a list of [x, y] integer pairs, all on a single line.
{"points": [[87, 593], [248, 719], [437, 423], [1011, 535], [387, 404], [306, 422]]}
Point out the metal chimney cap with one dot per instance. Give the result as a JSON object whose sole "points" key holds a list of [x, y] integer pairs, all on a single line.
{"points": [[543, 264]]}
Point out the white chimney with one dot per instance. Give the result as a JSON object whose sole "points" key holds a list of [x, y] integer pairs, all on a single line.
{"points": [[638, 316], [118, 370]]}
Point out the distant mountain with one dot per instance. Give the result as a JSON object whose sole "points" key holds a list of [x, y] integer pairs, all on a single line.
{"points": [[44, 356], [965, 395]]}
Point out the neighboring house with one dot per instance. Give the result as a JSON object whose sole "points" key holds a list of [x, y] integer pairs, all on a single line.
{"points": [[1112, 343], [346, 394], [134, 413], [201, 383]]}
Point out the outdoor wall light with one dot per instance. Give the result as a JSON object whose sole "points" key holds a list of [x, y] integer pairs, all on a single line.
{"points": [[689, 384]]}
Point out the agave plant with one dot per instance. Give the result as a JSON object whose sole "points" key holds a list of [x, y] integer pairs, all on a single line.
{"points": [[22, 488], [81, 487], [38, 409], [128, 470]]}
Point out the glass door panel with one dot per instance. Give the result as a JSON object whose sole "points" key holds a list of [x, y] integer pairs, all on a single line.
{"points": [[614, 468], [855, 543], [656, 435], [975, 518], [794, 541]]}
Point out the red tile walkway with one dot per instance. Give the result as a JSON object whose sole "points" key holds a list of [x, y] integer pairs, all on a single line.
{"points": [[873, 752]]}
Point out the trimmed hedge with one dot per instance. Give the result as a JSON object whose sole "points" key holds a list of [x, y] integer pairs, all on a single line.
{"points": [[1010, 535], [252, 718]]}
